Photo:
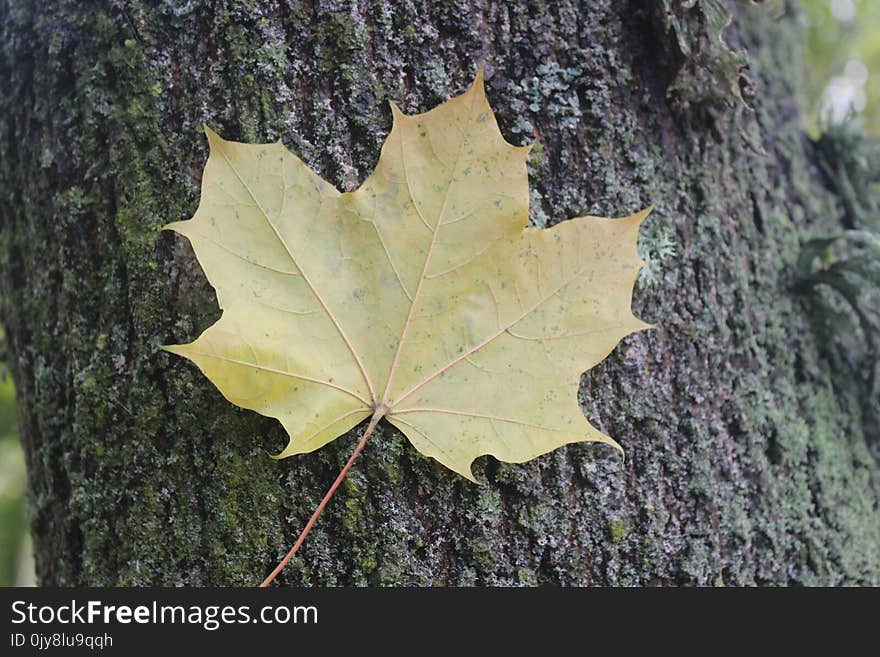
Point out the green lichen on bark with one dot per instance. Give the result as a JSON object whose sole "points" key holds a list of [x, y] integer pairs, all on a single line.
{"points": [[747, 461]]}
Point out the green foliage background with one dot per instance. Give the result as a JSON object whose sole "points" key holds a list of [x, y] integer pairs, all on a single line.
{"points": [[15, 561], [832, 42]]}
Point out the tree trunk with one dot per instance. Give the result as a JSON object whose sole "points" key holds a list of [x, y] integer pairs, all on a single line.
{"points": [[748, 454]]}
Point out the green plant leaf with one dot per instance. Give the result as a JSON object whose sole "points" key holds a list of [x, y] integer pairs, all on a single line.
{"points": [[422, 297]]}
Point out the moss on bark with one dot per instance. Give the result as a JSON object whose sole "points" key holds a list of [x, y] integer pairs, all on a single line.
{"points": [[747, 459]]}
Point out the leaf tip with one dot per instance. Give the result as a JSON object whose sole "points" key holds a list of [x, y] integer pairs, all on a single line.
{"points": [[479, 82], [214, 140], [174, 226], [468, 474], [396, 112], [616, 445], [641, 215], [478, 87], [289, 450], [524, 151]]}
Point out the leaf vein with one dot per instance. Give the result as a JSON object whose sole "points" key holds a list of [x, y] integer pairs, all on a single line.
{"points": [[314, 290], [488, 340], [479, 416], [273, 370]]}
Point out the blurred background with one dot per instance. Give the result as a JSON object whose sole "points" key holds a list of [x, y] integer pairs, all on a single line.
{"points": [[843, 63], [843, 76], [16, 565]]}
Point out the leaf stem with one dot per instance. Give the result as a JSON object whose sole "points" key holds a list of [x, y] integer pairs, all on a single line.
{"points": [[377, 415]]}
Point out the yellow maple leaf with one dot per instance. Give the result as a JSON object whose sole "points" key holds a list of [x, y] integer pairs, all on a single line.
{"points": [[422, 297]]}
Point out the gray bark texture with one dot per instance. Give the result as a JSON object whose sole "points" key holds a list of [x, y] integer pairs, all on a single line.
{"points": [[750, 448]]}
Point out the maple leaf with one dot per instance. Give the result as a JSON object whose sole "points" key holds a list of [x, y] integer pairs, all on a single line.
{"points": [[422, 297]]}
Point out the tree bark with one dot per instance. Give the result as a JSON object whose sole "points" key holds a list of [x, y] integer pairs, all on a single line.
{"points": [[749, 450]]}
